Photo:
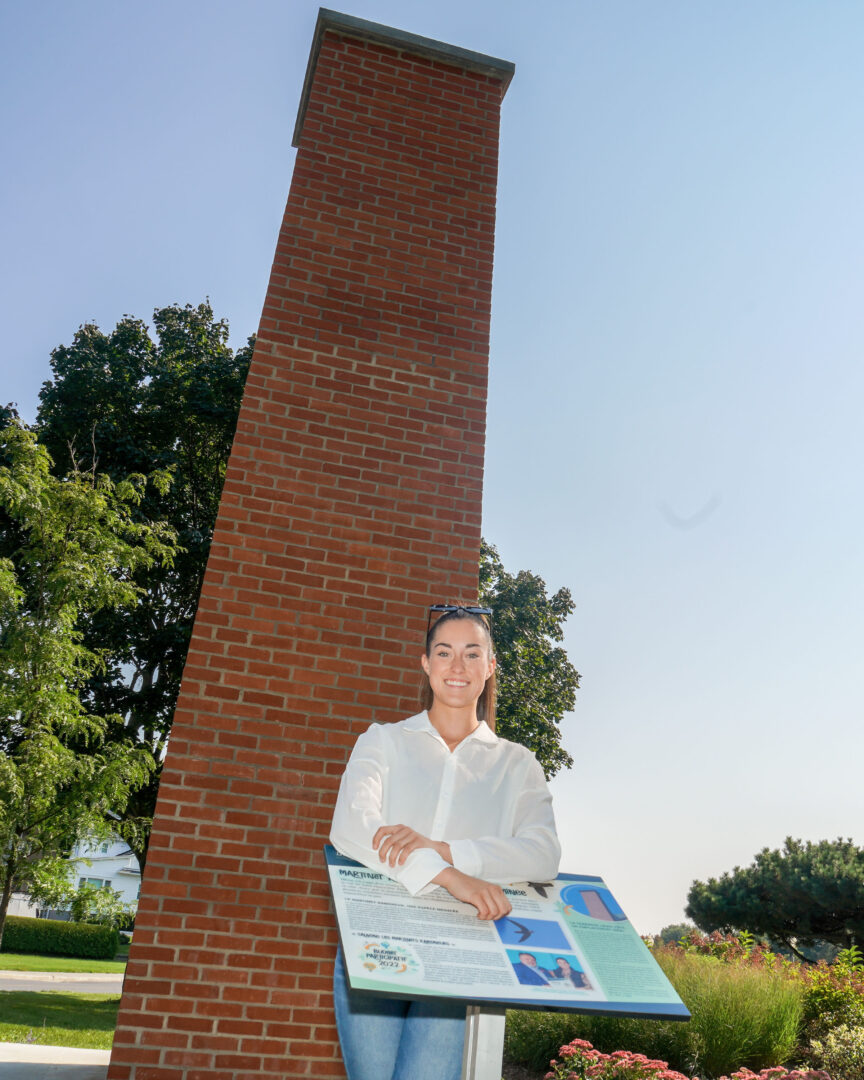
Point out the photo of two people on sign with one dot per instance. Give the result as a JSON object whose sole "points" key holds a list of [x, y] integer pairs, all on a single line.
{"points": [[529, 971], [559, 968]]}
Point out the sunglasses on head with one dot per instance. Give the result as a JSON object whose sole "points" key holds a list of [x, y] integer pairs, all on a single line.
{"points": [[437, 610]]}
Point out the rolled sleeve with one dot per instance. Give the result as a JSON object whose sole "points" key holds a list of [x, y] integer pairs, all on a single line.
{"points": [[418, 870]]}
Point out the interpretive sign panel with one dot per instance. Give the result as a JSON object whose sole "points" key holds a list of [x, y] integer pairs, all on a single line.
{"points": [[565, 945]]}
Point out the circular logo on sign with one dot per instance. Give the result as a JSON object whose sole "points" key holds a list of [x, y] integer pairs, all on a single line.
{"points": [[387, 957]]}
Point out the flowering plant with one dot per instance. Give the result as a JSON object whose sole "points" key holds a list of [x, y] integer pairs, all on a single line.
{"points": [[580, 1061], [741, 948], [779, 1073]]}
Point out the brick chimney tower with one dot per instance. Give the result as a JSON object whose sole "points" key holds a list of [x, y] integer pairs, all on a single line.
{"points": [[352, 501]]}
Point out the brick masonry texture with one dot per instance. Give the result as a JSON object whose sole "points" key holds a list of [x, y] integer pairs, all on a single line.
{"points": [[352, 501]]}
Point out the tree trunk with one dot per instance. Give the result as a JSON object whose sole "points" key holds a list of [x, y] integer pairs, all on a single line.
{"points": [[6, 895], [788, 943], [140, 806]]}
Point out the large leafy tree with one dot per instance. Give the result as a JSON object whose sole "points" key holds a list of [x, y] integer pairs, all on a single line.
{"points": [[133, 402], [70, 549], [800, 895], [536, 682], [130, 402]]}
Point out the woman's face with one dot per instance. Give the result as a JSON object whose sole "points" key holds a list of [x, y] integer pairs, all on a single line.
{"points": [[564, 965], [459, 662]]}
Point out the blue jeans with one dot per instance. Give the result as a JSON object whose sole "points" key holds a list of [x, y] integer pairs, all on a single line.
{"points": [[384, 1038]]}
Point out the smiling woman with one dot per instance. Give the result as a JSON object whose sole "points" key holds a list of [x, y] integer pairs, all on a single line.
{"points": [[459, 665], [439, 800]]}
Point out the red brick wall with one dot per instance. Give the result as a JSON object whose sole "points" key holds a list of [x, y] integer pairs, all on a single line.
{"points": [[352, 501]]}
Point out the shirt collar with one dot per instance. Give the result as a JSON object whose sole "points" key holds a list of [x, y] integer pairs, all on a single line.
{"points": [[421, 722]]}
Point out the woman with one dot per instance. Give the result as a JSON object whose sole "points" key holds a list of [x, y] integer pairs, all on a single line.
{"points": [[565, 971], [439, 799]]}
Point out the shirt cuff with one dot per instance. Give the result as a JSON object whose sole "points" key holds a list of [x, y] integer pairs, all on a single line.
{"points": [[420, 867], [466, 857]]}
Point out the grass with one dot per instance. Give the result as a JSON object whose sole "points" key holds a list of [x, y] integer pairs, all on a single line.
{"points": [[741, 1017], [29, 962], [54, 1019]]}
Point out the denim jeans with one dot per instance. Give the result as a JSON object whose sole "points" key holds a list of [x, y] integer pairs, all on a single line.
{"points": [[384, 1038]]}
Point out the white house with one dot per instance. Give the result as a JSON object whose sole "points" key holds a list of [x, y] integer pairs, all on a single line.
{"points": [[107, 864]]}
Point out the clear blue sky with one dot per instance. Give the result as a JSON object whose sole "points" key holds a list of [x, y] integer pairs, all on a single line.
{"points": [[676, 390]]}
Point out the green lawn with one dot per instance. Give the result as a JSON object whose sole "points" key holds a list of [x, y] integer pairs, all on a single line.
{"points": [[28, 962], [55, 1019]]}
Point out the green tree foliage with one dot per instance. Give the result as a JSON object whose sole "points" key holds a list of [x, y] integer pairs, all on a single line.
{"points": [[102, 905], [536, 682], [133, 403], [802, 894], [672, 934], [70, 547]]}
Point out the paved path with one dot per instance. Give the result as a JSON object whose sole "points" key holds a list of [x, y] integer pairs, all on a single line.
{"points": [[22, 1061], [68, 982]]}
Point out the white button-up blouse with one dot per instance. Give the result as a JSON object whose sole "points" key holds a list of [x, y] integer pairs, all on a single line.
{"points": [[487, 799]]}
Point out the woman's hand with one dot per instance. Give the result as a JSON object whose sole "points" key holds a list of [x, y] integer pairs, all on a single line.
{"points": [[394, 843], [490, 900]]}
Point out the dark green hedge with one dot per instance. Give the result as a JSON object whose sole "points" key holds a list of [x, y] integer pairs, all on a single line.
{"points": [[51, 936]]}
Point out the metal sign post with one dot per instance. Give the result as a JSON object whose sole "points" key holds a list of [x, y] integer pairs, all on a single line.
{"points": [[484, 1042]]}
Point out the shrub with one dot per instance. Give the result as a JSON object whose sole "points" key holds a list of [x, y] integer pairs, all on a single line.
{"points": [[833, 997], [102, 905], [741, 1016], [840, 1052], [532, 1038], [52, 937], [741, 948]]}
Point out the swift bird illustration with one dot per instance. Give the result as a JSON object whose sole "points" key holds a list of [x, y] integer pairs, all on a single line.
{"points": [[523, 930]]}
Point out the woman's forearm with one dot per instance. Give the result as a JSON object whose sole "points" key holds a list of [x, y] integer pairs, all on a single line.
{"points": [[488, 898]]}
